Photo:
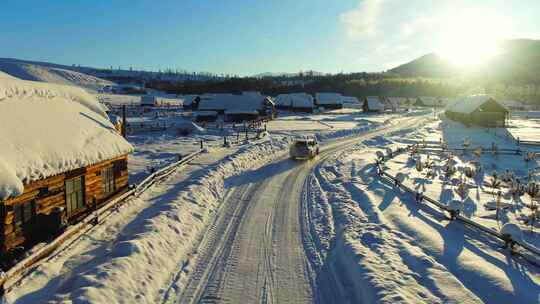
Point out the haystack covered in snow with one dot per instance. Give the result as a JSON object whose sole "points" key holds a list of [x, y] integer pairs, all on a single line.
{"points": [[185, 127], [59, 152], [373, 104], [329, 100], [481, 110]]}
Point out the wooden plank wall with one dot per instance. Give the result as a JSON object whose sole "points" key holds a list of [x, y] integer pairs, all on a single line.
{"points": [[13, 236]]}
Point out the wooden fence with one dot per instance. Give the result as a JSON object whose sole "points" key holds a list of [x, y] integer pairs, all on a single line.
{"points": [[420, 197], [74, 232]]}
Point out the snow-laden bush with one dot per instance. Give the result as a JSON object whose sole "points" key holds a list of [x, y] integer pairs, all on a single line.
{"points": [[512, 232], [455, 205]]}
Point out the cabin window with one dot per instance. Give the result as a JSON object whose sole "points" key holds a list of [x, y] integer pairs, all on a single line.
{"points": [[74, 194], [107, 178], [24, 212]]}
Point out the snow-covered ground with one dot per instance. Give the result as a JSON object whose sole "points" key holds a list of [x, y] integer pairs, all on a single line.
{"points": [[374, 243], [384, 247], [525, 125], [479, 200], [138, 251]]}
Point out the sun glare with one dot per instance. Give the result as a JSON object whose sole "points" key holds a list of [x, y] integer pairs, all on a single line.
{"points": [[471, 39]]}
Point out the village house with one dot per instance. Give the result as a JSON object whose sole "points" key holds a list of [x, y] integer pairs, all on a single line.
{"points": [[481, 110], [60, 158], [329, 100], [373, 104], [237, 108], [295, 102], [428, 101]]}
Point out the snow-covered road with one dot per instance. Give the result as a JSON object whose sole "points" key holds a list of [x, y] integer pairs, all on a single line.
{"points": [[254, 252]]}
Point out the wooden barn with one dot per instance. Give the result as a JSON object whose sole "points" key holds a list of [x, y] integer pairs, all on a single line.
{"points": [[61, 156], [481, 110], [373, 104]]}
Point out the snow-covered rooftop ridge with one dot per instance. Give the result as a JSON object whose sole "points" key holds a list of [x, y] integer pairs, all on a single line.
{"points": [[468, 104], [374, 103], [295, 100], [249, 101], [329, 98], [349, 99], [48, 129]]}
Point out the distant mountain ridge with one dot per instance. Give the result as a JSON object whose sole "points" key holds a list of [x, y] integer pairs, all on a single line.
{"points": [[519, 60], [286, 74]]}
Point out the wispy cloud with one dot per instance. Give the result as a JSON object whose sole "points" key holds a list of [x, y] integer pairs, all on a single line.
{"points": [[362, 22]]}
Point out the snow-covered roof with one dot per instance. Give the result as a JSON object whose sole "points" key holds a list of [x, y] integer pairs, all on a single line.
{"points": [[468, 104], [429, 101], [206, 113], [514, 104], [329, 98], [397, 100], [295, 100], [48, 129], [249, 112], [224, 102], [349, 99], [374, 103]]}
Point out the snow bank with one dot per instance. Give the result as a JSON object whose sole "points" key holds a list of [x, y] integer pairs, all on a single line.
{"points": [[143, 260], [48, 129]]}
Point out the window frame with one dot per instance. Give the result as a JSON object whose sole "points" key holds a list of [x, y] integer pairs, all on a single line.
{"points": [[24, 213], [75, 194], [108, 181]]}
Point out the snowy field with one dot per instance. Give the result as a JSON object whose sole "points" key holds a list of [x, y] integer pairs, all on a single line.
{"points": [[393, 250], [143, 252], [479, 199], [525, 125], [371, 242]]}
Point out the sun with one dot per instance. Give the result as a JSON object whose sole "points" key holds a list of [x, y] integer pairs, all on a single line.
{"points": [[471, 39]]}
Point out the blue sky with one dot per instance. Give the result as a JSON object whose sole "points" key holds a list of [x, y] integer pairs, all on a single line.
{"points": [[248, 37]]}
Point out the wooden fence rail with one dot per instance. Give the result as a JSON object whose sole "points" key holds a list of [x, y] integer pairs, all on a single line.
{"points": [[72, 233]]}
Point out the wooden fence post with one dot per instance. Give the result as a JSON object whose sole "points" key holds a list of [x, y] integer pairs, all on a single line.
{"points": [[94, 203]]}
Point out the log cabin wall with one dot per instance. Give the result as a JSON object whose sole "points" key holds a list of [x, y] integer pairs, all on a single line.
{"points": [[29, 218]]}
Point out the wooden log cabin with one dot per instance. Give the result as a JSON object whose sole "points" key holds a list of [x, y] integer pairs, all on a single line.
{"points": [[61, 157]]}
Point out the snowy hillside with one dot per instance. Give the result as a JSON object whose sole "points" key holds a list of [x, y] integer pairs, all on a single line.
{"points": [[44, 72]]}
